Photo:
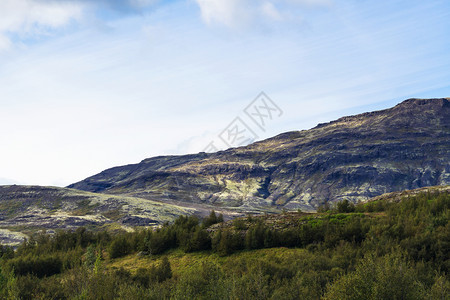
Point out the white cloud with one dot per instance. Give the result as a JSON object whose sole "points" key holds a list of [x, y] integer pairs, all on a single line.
{"points": [[229, 13], [30, 18], [269, 10], [5, 43], [235, 13], [26, 17]]}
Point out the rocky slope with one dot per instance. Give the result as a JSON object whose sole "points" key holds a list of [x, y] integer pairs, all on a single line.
{"points": [[355, 158], [27, 209]]}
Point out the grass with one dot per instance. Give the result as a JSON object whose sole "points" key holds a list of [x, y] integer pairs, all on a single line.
{"points": [[84, 208], [343, 218], [181, 262], [114, 214], [10, 207]]}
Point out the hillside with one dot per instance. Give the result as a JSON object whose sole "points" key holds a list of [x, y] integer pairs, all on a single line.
{"points": [[27, 209], [354, 158]]}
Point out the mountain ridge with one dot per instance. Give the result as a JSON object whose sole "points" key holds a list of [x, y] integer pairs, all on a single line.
{"points": [[355, 158]]}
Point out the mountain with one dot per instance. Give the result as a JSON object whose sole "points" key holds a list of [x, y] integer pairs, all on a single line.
{"points": [[354, 158]]}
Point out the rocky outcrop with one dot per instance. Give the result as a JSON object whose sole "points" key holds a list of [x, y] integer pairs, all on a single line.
{"points": [[355, 158], [25, 210]]}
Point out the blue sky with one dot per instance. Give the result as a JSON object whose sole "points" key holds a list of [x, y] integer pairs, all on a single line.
{"points": [[87, 85]]}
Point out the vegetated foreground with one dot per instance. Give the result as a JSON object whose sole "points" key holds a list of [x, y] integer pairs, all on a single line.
{"points": [[382, 249]]}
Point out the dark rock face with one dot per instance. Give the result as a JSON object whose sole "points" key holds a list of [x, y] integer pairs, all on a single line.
{"points": [[355, 158]]}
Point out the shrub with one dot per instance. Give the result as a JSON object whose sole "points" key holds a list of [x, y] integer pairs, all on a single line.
{"points": [[345, 206], [212, 219], [39, 266], [119, 247]]}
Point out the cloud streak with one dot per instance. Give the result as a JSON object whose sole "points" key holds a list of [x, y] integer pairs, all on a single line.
{"points": [[238, 13], [124, 6], [29, 17], [23, 19]]}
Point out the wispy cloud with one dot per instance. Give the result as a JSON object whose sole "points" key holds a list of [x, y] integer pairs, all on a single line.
{"points": [[125, 6], [225, 12], [28, 17], [238, 13], [24, 19]]}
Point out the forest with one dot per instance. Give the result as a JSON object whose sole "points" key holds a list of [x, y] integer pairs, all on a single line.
{"points": [[382, 249]]}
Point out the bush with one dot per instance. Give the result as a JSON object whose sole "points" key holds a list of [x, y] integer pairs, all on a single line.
{"points": [[119, 247], [39, 266], [225, 242], [212, 219], [345, 206], [389, 277]]}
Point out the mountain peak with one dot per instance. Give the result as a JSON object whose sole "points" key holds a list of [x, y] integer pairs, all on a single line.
{"points": [[407, 112], [429, 103]]}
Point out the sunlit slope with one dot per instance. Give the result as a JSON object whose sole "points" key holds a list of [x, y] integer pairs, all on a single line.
{"points": [[30, 208]]}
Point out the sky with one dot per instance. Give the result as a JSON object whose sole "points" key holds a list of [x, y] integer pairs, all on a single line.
{"points": [[87, 85]]}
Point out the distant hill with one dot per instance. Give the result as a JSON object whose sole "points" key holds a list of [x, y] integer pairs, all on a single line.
{"points": [[27, 209], [354, 158]]}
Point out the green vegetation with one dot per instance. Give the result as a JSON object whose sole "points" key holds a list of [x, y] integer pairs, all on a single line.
{"points": [[377, 250]]}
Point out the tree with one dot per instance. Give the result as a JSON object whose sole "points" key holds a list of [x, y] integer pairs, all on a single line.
{"points": [[255, 236], [212, 219], [90, 257], [119, 247], [225, 242], [345, 206], [161, 272], [164, 270], [324, 207]]}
